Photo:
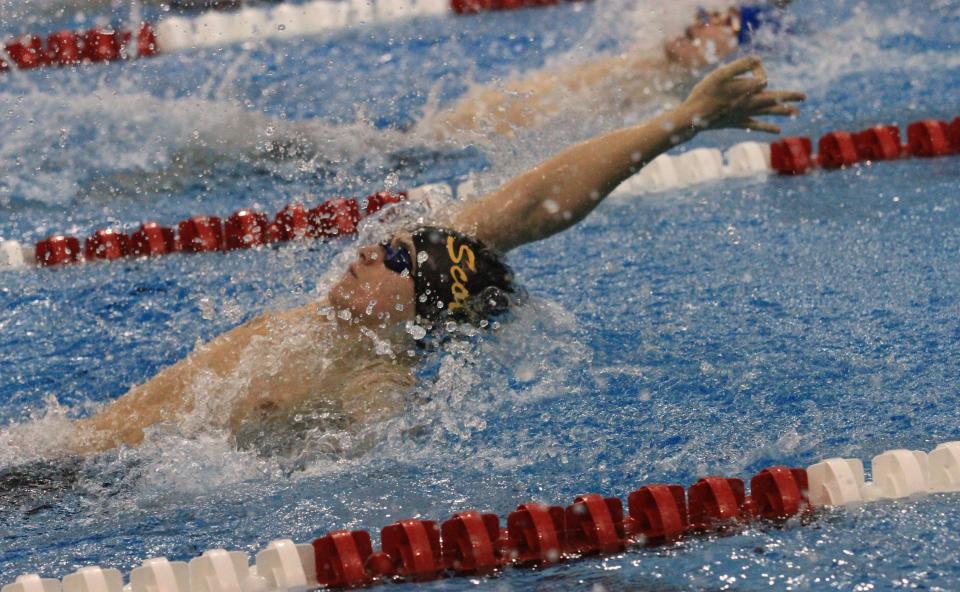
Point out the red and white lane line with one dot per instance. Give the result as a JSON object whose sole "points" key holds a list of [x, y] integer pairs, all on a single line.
{"points": [[339, 217], [472, 543], [219, 28], [794, 155], [244, 229]]}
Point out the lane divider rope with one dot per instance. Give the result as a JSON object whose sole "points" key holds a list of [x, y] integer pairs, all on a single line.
{"points": [[794, 155], [339, 217], [244, 229], [472, 543], [220, 28]]}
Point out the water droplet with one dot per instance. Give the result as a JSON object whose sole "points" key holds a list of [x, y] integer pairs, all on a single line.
{"points": [[391, 181], [416, 331], [206, 309]]}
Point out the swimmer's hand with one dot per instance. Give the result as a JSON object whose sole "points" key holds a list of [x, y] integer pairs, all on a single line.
{"points": [[727, 98]]}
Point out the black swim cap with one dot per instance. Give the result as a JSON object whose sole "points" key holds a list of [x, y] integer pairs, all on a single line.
{"points": [[458, 277]]}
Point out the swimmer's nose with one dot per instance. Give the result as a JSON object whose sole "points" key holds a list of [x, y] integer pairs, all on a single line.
{"points": [[370, 254]]}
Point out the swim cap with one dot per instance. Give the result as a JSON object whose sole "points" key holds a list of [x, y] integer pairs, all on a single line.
{"points": [[458, 277], [753, 17]]}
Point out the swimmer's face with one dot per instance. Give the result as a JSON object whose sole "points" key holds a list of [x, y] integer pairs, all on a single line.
{"points": [[371, 291], [705, 42]]}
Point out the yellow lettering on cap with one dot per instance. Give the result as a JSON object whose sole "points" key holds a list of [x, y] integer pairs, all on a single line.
{"points": [[458, 290], [464, 251]]}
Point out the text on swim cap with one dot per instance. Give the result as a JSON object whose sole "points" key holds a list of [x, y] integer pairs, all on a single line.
{"points": [[459, 289]]}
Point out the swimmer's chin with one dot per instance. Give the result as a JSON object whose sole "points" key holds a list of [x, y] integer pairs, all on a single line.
{"points": [[346, 315]]}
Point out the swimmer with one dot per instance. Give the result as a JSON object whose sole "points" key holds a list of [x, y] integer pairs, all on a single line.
{"points": [[353, 353], [715, 35], [601, 84]]}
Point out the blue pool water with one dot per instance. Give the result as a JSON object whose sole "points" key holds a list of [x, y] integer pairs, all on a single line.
{"points": [[718, 329]]}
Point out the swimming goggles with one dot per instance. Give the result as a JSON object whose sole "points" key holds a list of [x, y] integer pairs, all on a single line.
{"points": [[396, 258]]}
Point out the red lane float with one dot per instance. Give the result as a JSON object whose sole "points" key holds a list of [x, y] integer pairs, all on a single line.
{"points": [[68, 48], [929, 138], [880, 142], [925, 139], [245, 229], [413, 547], [201, 234], [792, 156], [101, 45], [292, 222], [379, 200], [534, 534], [955, 134], [57, 250], [475, 6], [594, 524], [469, 543], [837, 150], [341, 557], [779, 492], [151, 240], [336, 217], [27, 52], [106, 244], [63, 49], [716, 502], [106, 44], [658, 513]]}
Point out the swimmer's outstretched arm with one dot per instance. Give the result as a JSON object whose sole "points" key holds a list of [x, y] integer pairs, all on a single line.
{"points": [[565, 188], [526, 101]]}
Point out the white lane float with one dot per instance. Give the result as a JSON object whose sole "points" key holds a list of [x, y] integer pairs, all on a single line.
{"points": [[836, 482], [218, 570], [699, 166], [897, 474], [285, 565], [13, 255], [33, 583], [748, 158], [94, 579], [944, 467], [160, 575]]}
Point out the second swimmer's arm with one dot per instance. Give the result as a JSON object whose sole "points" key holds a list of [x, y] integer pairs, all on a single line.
{"points": [[564, 189]]}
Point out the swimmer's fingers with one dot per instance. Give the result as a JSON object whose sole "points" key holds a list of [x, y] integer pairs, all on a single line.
{"points": [[770, 98], [741, 66], [786, 110], [761, 126], [746, 86]]}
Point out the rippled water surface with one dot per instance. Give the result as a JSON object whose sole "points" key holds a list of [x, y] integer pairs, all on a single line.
{"points": [[718, 329]]}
